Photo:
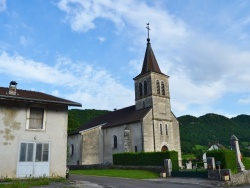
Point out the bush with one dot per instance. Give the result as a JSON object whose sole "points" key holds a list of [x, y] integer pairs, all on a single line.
{"points": [[246, 162], [146, 159], [226, 157]]}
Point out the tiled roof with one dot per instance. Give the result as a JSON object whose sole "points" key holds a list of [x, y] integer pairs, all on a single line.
{"points": [[35, 97], [115, 118]]}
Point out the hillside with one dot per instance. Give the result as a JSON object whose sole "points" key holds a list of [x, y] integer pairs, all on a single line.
{"points": [[77, 117], [211, 128]]}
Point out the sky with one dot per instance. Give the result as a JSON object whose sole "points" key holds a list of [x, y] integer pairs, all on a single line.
{"points": [[89, 51]]}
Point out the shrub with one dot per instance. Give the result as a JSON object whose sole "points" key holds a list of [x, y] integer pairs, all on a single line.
{"points": [[146, 159], [226, 157], [246, 162]]}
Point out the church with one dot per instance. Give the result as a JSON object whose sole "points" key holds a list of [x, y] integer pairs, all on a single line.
{"points": [[147, 126]]}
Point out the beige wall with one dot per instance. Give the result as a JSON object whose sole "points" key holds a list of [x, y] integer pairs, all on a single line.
{"points": [[12, 132], [92, 146]]}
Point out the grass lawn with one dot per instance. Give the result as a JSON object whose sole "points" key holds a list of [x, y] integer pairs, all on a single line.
{"points": [[188, 156], [26, 183], [135, 174]]}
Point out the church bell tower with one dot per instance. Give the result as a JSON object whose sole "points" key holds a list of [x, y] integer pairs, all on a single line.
{"points": [[152, 86]]}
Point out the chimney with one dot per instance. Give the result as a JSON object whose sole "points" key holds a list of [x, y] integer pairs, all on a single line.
{"points": [[12, 88]]}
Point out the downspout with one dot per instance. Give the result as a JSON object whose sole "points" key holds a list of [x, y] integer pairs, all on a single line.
{"points": [[153, 125], [142, 133]]}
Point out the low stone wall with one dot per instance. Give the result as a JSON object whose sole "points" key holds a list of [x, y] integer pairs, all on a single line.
{"points": [[157, 169], [218, 175], [240, 178]]}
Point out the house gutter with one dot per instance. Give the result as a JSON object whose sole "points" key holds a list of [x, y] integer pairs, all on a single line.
{"points": [[69, 103]]}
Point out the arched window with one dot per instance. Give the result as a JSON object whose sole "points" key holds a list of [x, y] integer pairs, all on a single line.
{"points": [[115, 141], [158, 87], [72, 149], [160, 128], [162, 88], [135, 148], [143, 104], [140, 89], [166, 129], [145, 87]]}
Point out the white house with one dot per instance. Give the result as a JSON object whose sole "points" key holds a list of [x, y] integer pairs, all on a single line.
{"points": [[33, 133], [215, 146]]}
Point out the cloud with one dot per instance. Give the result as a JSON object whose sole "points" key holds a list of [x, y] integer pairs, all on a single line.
{"points": [[101, 39], [245, 100], [2, 5], [24, 40], [92, 86]]}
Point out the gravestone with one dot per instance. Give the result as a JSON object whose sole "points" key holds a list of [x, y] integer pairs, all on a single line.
{"points": [[189, 165], [168, 167]]}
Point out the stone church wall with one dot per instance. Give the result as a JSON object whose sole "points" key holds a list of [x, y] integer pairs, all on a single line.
{"points": [[92, 147], [148, 132], [176, 138], [128, 136], [74, 149]]}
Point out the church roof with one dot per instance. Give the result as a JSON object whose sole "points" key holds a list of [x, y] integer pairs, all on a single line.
{"points": [[116, 118], [150, 63]]}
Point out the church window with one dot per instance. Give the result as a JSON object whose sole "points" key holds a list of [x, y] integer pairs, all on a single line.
{"points": [[140, 89], [162, 88], [135, 149], [143, 104], [166, 127], [72, 149], [115, 141], [145, 87], [158, 87], [160, 128]]}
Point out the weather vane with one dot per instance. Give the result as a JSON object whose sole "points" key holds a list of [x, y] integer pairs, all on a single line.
{"points": [[148, 29]]}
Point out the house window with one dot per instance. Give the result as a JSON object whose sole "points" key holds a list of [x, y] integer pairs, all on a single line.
{"points": [[36, 118], [158, 87], [140, 89], [160, 128], [162, 88], [42, 152], [145, 87], [115, 142], [26, 152], [166, 127]]}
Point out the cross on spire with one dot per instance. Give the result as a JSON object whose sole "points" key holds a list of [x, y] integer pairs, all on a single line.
{"points": [[148, 31]]}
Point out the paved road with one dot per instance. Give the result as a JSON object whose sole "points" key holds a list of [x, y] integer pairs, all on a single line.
{"points": [[108, 182]]}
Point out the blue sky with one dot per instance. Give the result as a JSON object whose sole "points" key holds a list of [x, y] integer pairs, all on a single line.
{"points": [[89, 51]]}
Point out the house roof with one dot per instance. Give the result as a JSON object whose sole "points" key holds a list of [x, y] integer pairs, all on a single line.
{"points": [[115, 118], [34, 97], [150, 63]]}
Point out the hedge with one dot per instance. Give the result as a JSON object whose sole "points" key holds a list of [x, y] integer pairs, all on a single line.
{"points": [[246, 162], [226, 157], [146, 159]]}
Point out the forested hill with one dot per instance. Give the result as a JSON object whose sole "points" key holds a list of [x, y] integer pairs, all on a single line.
{"points": [[204, 130], [211, 128], [79, 117]]}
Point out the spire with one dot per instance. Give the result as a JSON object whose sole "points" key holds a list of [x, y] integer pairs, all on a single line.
{"points": [[150, 63]]}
